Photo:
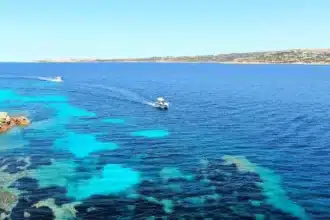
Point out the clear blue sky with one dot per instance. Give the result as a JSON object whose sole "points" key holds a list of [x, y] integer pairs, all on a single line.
{"points": [[37, 29]]}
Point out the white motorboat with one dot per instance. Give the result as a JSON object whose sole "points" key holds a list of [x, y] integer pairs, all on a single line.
{"points": [[161, 103], [55, 79], [58, 79]]}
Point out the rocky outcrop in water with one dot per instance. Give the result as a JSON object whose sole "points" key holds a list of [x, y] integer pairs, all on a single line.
{"points": [[9, 122]]}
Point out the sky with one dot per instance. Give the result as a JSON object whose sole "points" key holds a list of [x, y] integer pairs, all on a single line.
{"points": [[41, 29]]}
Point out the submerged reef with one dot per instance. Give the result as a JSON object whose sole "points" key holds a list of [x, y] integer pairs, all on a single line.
{"points": [[270, 183], [169, 173], [230, 188], [219, 190], [11, 169], [77, 185], [113, 179], [56, 174], [61, 212]]}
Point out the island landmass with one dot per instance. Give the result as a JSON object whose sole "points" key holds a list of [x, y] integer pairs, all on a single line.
{"points": [[295, 56]]}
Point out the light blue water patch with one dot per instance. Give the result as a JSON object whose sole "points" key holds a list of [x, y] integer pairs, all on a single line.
{"points": [[166, 203], [259, 217], [42, 84], [139, 157], [150, 133], [114, 120], [255, 202], [65, 111], [46, 124], [168, 173], [46, 129], [6, 95], [50, 98], [276, 195], [113, 180], [271, 185], [81, 145], [59, 173], [175, 187], [9, 95], [12, 139]]}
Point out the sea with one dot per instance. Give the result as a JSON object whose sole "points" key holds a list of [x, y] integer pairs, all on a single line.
{"points": [[237, 142]]}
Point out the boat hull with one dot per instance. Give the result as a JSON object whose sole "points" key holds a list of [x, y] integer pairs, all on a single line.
{"points": [[162, 107]]}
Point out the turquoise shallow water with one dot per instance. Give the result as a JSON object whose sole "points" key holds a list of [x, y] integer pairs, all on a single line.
{"points": [[150, 133], [82, 145], [114, 120], [239, 142]]}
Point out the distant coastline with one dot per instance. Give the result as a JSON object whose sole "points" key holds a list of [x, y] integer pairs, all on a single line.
{"points": [[296, 56]]}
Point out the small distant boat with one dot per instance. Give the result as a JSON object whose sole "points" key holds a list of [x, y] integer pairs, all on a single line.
{"points": [[55, 79], [161, 103], [58, 79]]}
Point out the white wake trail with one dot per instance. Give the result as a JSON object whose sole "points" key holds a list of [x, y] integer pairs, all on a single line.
{"points": [[123, 94]]}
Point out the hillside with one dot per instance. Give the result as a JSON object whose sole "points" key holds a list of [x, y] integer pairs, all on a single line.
{"points": [[299, 56]]}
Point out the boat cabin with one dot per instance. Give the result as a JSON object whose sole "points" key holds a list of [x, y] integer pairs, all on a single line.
{"points": [[160, 100]]}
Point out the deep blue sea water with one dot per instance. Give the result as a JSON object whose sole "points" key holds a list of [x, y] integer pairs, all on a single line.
{"points": [[238, 142]]}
